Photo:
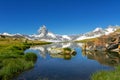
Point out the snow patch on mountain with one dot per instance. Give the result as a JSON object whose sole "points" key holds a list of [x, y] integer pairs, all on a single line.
{"points": [[51, 34], [7, 34], [110, 30], [12, 35], [97, 29], [87, 37], [66, 36]]}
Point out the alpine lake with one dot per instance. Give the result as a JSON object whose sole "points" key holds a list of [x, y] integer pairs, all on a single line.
{"points": [[71, 67]]}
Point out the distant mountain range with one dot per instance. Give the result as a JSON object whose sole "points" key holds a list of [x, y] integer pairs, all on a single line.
{"points": [[45, 35]]}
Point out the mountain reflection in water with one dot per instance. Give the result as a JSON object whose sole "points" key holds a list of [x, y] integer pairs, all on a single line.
{"points": [[104, 58], [45, 49], [55, 66]]}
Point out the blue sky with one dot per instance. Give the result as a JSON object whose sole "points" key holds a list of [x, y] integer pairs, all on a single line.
{"points": [[60, 16]]}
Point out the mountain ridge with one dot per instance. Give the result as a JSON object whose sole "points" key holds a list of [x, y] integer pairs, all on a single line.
{"points": [[45, 35]]}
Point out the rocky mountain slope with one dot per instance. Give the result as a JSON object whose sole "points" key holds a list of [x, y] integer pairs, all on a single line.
{"points": [[109, 42], [98, 32]]}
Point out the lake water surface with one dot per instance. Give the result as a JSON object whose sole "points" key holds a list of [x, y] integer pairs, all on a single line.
{"points": [[55, 67]]}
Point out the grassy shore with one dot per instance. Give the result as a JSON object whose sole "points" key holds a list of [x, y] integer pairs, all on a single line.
{"points": [[12, 58], [107, 75], [86, 40]]}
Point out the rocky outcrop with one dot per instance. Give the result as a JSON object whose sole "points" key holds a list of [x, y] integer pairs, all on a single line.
{"points": [[112, 46], [65, 53], [94, 47], [104, 43]]}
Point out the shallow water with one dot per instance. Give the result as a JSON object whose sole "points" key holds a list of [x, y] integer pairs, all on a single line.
{"points": [[78, 67]]}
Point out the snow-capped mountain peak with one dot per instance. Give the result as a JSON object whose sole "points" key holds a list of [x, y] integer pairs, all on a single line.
{"points": [[43, 31], [44, 34], [7, 34], [98, 32], [97, 29], [111, 29]]}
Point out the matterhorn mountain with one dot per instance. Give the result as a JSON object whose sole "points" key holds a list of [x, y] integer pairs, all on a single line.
{"points": [[45, 35], [43, 31]]}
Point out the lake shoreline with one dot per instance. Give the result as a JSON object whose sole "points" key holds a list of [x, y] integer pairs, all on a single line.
{"points": [[56, 67], [12, 57]]}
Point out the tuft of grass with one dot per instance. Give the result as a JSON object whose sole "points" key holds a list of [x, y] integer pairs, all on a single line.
{"points": [[67, 49], [30, 56], [14, 66]]}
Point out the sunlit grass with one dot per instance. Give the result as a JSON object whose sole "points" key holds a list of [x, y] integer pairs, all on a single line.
{"points": [[30, 56], [12, 58], [107, 75], [86, 40], [14, 66]]}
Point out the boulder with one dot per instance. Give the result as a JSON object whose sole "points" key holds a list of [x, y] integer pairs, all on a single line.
{"points": [[65, 53], [112, 46]]}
